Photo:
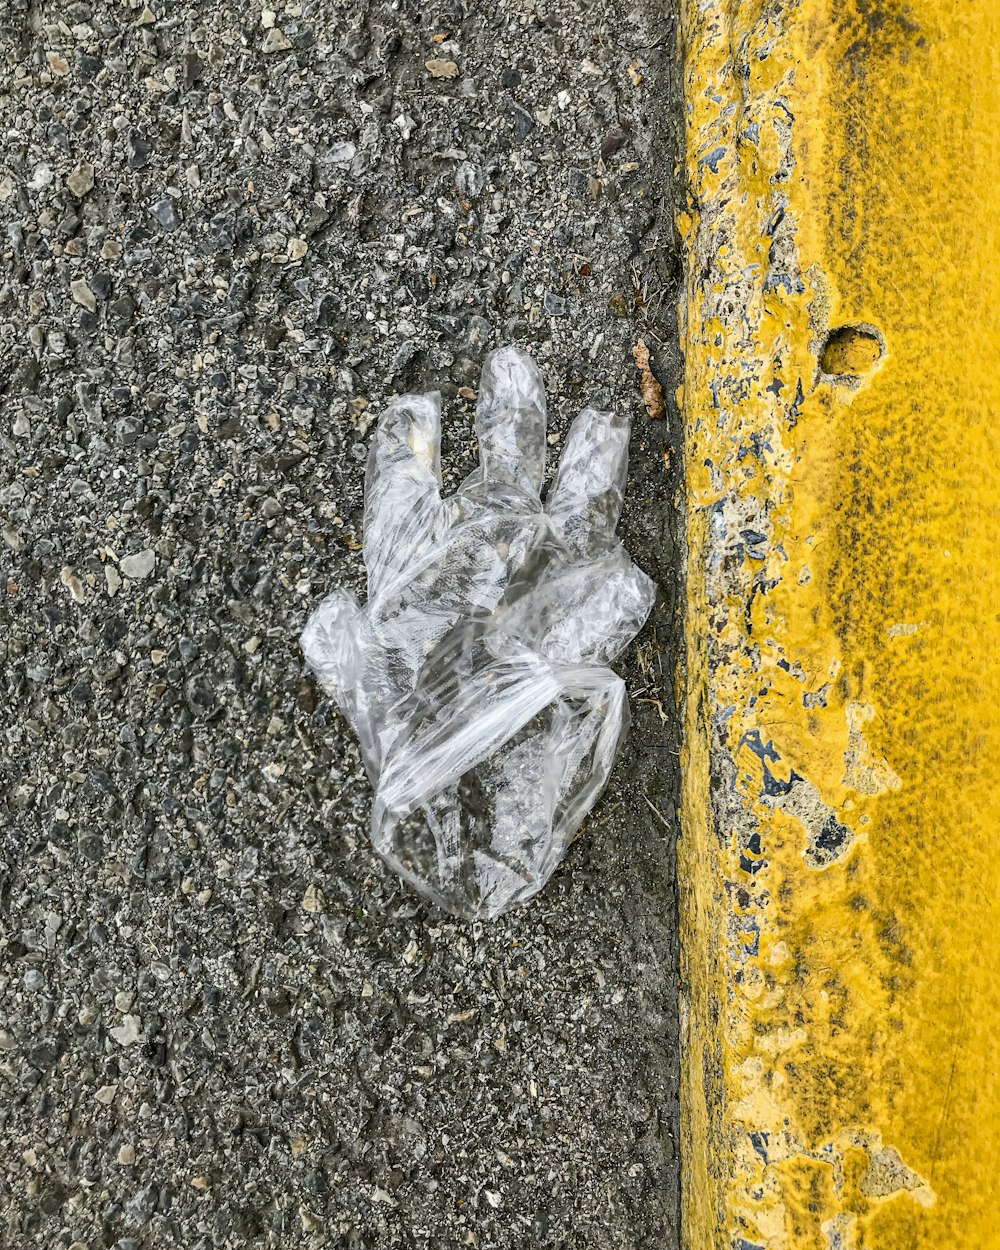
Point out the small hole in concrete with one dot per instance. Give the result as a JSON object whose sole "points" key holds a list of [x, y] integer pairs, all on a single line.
{"points": [[851, 351]]}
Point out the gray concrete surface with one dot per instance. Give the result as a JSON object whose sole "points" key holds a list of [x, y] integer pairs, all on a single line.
{"points": [[228, 237]]}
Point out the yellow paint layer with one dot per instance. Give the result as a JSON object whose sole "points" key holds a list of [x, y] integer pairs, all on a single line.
{"points": [[841, 889]]}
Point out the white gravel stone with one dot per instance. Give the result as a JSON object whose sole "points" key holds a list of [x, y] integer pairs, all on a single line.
{"points": [[276, 40], [83, 295], [128, 1032], [81, 180], [138, 566]]}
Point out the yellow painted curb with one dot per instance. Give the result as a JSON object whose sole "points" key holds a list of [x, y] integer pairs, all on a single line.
{"points": [[841, 840]]}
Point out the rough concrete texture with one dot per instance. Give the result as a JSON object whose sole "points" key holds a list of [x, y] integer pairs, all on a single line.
{"points": [[229, 235]]}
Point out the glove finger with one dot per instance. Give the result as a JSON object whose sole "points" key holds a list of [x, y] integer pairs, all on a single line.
{"points": [[403, 514], [333, 644], [510, 419], [585, 500]]}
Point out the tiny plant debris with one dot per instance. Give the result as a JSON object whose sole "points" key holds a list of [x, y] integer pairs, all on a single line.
{"points": [[652, 391]]}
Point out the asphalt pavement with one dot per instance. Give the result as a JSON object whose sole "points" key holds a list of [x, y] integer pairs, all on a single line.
{"points": [[229, 235]]}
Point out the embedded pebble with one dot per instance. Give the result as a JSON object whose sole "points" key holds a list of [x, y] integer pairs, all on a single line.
{"points": [[313, 901], [72, 583], [555, 305], [83, 295], [276, 40], [128, 1032], [138, 566], [165, 214], [81, 180], [438, 68]]}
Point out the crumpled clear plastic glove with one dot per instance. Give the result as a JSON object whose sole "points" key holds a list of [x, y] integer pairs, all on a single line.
{"points": [[476, 676]]}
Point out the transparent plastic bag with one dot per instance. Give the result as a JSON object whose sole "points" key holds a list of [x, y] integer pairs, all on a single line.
{"points": [[476, 675]]}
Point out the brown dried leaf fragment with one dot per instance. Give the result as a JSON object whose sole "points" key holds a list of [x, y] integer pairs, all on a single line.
{"points": [[652, 391]]}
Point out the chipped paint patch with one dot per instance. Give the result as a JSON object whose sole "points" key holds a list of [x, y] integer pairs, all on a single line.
{"points": [[864, 772], [854, 1173], [828, 838]]}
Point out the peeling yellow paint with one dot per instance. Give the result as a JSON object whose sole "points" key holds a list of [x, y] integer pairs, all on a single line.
{"points": [[840, 886], [863, 772]]}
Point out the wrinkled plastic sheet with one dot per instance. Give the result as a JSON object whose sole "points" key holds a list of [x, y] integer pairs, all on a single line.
{"points": [[476, 676]]}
